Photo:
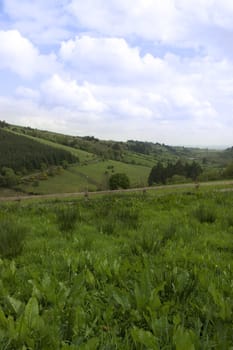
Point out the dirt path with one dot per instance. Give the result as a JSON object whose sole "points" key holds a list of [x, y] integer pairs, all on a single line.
{"points": [[141, 189]]}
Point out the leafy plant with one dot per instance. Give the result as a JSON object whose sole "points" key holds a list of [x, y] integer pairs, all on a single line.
{"points": [[12, 235], [67, 217], [162, 283], [205, 214]]}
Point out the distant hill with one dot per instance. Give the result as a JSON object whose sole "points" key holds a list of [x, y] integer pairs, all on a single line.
{"points": [[93, 161], [132, 151]]}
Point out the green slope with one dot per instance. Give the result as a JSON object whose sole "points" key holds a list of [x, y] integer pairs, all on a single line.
{"points": [[89, 177], [19, 152], [99, 159], [83, 156]]}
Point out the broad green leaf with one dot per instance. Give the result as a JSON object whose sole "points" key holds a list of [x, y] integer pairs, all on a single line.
{"points": [[90, 279], [140, 336], [31, 315], [91, 344], [3, 319], [15, 305], [183, 339], [12, 267], [122, 299]]}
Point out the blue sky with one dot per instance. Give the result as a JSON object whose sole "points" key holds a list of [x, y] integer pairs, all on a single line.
{"points": [[152, 70]]}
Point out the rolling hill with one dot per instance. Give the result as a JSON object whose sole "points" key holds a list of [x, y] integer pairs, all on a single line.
{"points": [[89, 162]]}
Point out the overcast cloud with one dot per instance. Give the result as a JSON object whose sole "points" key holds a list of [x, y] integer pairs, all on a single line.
{"points": [[151, 70]]}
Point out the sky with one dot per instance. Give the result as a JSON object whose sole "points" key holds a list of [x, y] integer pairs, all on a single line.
{"points": [[149, 70]]}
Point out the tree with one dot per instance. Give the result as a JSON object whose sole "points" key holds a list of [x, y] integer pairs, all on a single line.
{"points": [[228, 172], [3, 124], [193, 170], [8, 178], [161, 174], [119, 180], [157, 174]]}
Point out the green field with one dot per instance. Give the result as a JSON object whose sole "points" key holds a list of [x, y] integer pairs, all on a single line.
{"points": [[91, 177], [31, 168], [143, 271]]}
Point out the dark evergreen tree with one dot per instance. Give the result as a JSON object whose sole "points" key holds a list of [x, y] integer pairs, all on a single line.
{"points": [[21, 153], [160, 173]]}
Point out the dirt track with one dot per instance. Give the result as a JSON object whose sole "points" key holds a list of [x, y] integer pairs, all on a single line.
{"points": [[142, 189]]}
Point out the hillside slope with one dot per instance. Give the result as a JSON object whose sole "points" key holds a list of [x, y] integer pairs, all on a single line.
{"points": [[23, 154], [25, 148]]}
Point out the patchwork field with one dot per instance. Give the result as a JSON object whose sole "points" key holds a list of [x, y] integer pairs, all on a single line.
{"points": [[91, 177]]}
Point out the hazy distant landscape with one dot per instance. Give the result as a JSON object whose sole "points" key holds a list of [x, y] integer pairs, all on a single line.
{"points": [[42, 162]]}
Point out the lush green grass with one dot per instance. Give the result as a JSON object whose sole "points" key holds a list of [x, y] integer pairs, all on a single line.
{"points": [[68, 181], [149, 159], [101, 170], [138, 271], [7, 192], [141, 159], [93, 176]]}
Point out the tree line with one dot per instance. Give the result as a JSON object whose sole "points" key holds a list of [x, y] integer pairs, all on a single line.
{"points": [[22, 154], [161, 174]]}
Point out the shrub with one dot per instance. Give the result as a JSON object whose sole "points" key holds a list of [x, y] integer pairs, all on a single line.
{"points": [[108, 227], [128, 216], [12, 236], [67, 217], [205, 214], [119, 181]]}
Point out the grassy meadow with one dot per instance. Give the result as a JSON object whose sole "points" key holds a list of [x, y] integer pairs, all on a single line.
{"points": [[93, 176], [134, 271]]}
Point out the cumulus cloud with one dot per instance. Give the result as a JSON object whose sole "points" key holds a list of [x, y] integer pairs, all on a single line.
{"points": [[204, 25], [172, 82], [44, 22], [146, 69], [107, 59], [21, 111], [58, 91], [20, 56], [152, 19], [146, 18], [27, 93]]}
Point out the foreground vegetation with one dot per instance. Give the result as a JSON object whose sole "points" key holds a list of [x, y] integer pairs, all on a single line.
{"points": [[118, 272]]}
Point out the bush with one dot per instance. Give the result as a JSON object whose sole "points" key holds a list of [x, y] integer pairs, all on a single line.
{"points": [[205, 214], [128, 216], [119, 181], [67, 217], [12, 236]]}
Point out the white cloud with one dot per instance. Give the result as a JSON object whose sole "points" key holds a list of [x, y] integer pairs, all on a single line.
{"points": [[201, 131], [154, 20], [146, 69], [27, 93], [102, 54], [58, 91], [110, 59], [20, 56], [149, 19], [197, 24], [178, 87], [43, 21], [31, 113]]}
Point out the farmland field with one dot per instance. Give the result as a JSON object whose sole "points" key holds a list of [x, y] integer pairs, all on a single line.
{"points": [[132, 271], [92, 177]]}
